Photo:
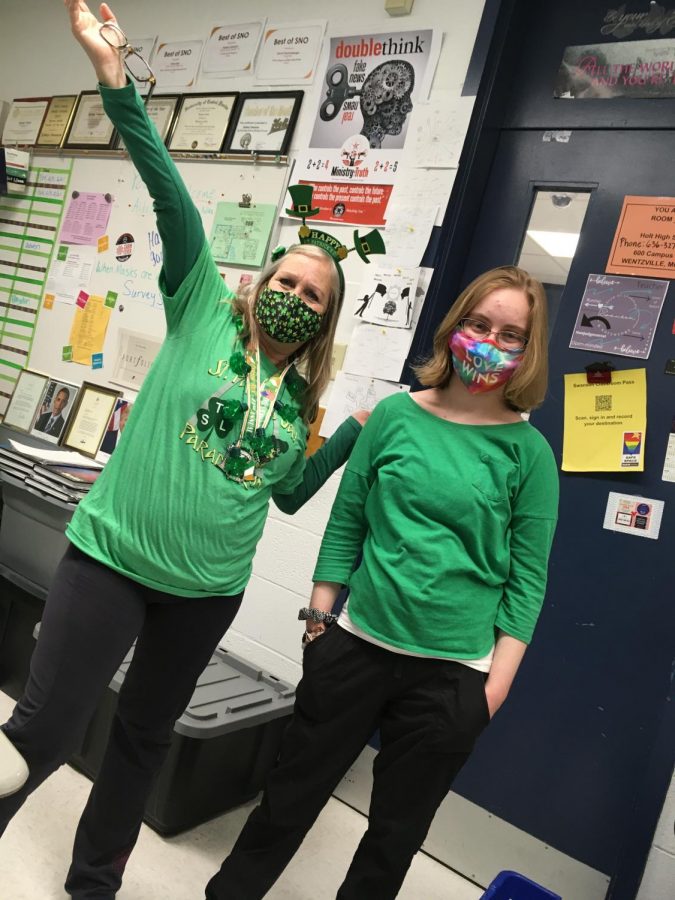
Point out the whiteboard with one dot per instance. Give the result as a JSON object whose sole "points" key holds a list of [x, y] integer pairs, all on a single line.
{"points": [[139, 302]]}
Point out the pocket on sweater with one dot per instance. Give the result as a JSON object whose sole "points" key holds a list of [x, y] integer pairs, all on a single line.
{"points": [[489, 480]]}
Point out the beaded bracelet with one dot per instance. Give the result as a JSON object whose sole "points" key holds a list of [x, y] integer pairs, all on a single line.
{"points": [[316, 615]]}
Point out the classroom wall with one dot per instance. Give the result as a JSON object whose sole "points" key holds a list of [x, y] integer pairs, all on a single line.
{"points": [[38, 57]]}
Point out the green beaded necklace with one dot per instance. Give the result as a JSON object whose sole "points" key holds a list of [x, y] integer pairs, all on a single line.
{"points": [[254, 447]]}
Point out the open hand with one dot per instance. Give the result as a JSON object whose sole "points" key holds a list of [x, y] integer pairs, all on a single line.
{"points": [[106, 60]]}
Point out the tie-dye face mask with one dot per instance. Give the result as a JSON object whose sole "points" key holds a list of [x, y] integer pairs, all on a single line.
{"points": [[482, 365], [286, 317]]}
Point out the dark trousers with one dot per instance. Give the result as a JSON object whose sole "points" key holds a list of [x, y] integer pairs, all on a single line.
{"points": [[429, 713], [91, 618]]}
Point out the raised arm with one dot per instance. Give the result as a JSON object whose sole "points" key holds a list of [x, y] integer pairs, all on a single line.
{"points": [[178, 220]]}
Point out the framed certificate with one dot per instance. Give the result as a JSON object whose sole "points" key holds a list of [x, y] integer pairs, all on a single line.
{"points": [[56, 121], [161, 109], [90, 128], [201, 123], [25, 401], [89, 422], [24, 120], [263, 122], [54, 411]]}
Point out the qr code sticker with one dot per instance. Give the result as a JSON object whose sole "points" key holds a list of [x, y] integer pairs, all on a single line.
{"points": [[603, 403]]}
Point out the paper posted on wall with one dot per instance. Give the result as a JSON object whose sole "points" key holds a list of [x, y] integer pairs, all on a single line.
{"points": [[388, 296], [371, 84], [70, 272], [638, 516], [379, 351], [605, 424], [135, 354], [408, 230], [352, 392], [438, 129]]}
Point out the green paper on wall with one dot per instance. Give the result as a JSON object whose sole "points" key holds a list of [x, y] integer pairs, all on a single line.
{"points": [[240, 234]]}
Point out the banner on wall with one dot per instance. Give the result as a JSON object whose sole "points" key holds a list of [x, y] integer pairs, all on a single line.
{"points": [[636, 69], [370, 87]]}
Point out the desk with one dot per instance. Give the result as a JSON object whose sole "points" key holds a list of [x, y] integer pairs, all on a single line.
{"points": [[32, 538], [32, 541]]}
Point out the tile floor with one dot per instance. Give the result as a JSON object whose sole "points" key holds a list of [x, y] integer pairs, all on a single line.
{"points": [[35, 851]]}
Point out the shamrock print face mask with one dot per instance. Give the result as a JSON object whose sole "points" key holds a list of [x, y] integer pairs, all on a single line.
{"points": [[285, 317]]}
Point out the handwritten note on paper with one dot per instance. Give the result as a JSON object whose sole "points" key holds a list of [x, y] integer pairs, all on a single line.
{"points": [[439, 128], [377, 352], [352, 392], [407, 232], [86, 218], [433, 190]]}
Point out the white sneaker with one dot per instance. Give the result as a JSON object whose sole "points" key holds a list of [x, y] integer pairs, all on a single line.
{"points": [[13, 768]]}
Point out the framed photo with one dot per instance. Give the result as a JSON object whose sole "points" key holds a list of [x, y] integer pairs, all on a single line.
{"points": [[263, 122], [90, 128], [161, 109], [56, 121], [26, 400], [201, 122], [89, 422], [54, 411], [116, 425], [24, 120]]}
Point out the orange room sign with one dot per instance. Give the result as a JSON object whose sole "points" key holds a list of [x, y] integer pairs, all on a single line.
{"points": [[644, 243]]}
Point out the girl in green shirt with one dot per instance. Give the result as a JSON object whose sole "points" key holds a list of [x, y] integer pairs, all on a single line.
{"points": [[451, 499]]}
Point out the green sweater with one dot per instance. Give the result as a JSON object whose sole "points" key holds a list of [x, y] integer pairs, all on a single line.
{"points": [[456, 524], [162, 512]]}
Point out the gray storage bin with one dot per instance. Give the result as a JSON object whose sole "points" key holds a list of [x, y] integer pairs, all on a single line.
{"points": [[32, 538], [222, 748]]}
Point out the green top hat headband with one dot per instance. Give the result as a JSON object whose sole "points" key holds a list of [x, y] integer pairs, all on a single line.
{"points": [[371, 243]]}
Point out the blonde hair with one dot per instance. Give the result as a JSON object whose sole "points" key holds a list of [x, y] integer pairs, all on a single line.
{"points": [[313, 359], [526, 389]]}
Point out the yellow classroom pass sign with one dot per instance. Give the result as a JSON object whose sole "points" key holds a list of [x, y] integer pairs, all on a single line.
{"points": [[605, 424]]}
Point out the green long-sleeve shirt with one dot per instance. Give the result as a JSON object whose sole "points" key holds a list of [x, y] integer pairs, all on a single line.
{"points": [[456, 524], [163, 512]]}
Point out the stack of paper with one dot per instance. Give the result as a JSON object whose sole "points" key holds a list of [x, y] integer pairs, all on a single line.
{"points": [[60, 474]]}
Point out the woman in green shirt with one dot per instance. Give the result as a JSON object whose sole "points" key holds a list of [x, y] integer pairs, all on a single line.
{"points": [[451, 497], [162, 547]]}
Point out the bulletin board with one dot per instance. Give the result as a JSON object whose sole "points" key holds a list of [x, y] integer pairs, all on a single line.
{"points": [[34, 335]]}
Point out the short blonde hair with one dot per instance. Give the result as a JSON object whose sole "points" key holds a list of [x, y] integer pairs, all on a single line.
{"points": [[313, 359], [526, 389]]}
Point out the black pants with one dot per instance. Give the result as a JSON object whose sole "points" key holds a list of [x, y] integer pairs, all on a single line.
{"points": [[91, 618], [429, 713]]}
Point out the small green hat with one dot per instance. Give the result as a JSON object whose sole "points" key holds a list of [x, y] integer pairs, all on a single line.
{"points": [[301, 194], [368, 244]]}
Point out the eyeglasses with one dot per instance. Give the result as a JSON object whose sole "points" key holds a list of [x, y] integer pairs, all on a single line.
{"points": [[134, 63], [505, 340]]}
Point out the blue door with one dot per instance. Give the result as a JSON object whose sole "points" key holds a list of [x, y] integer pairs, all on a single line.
{"points": [[582, 754]]}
